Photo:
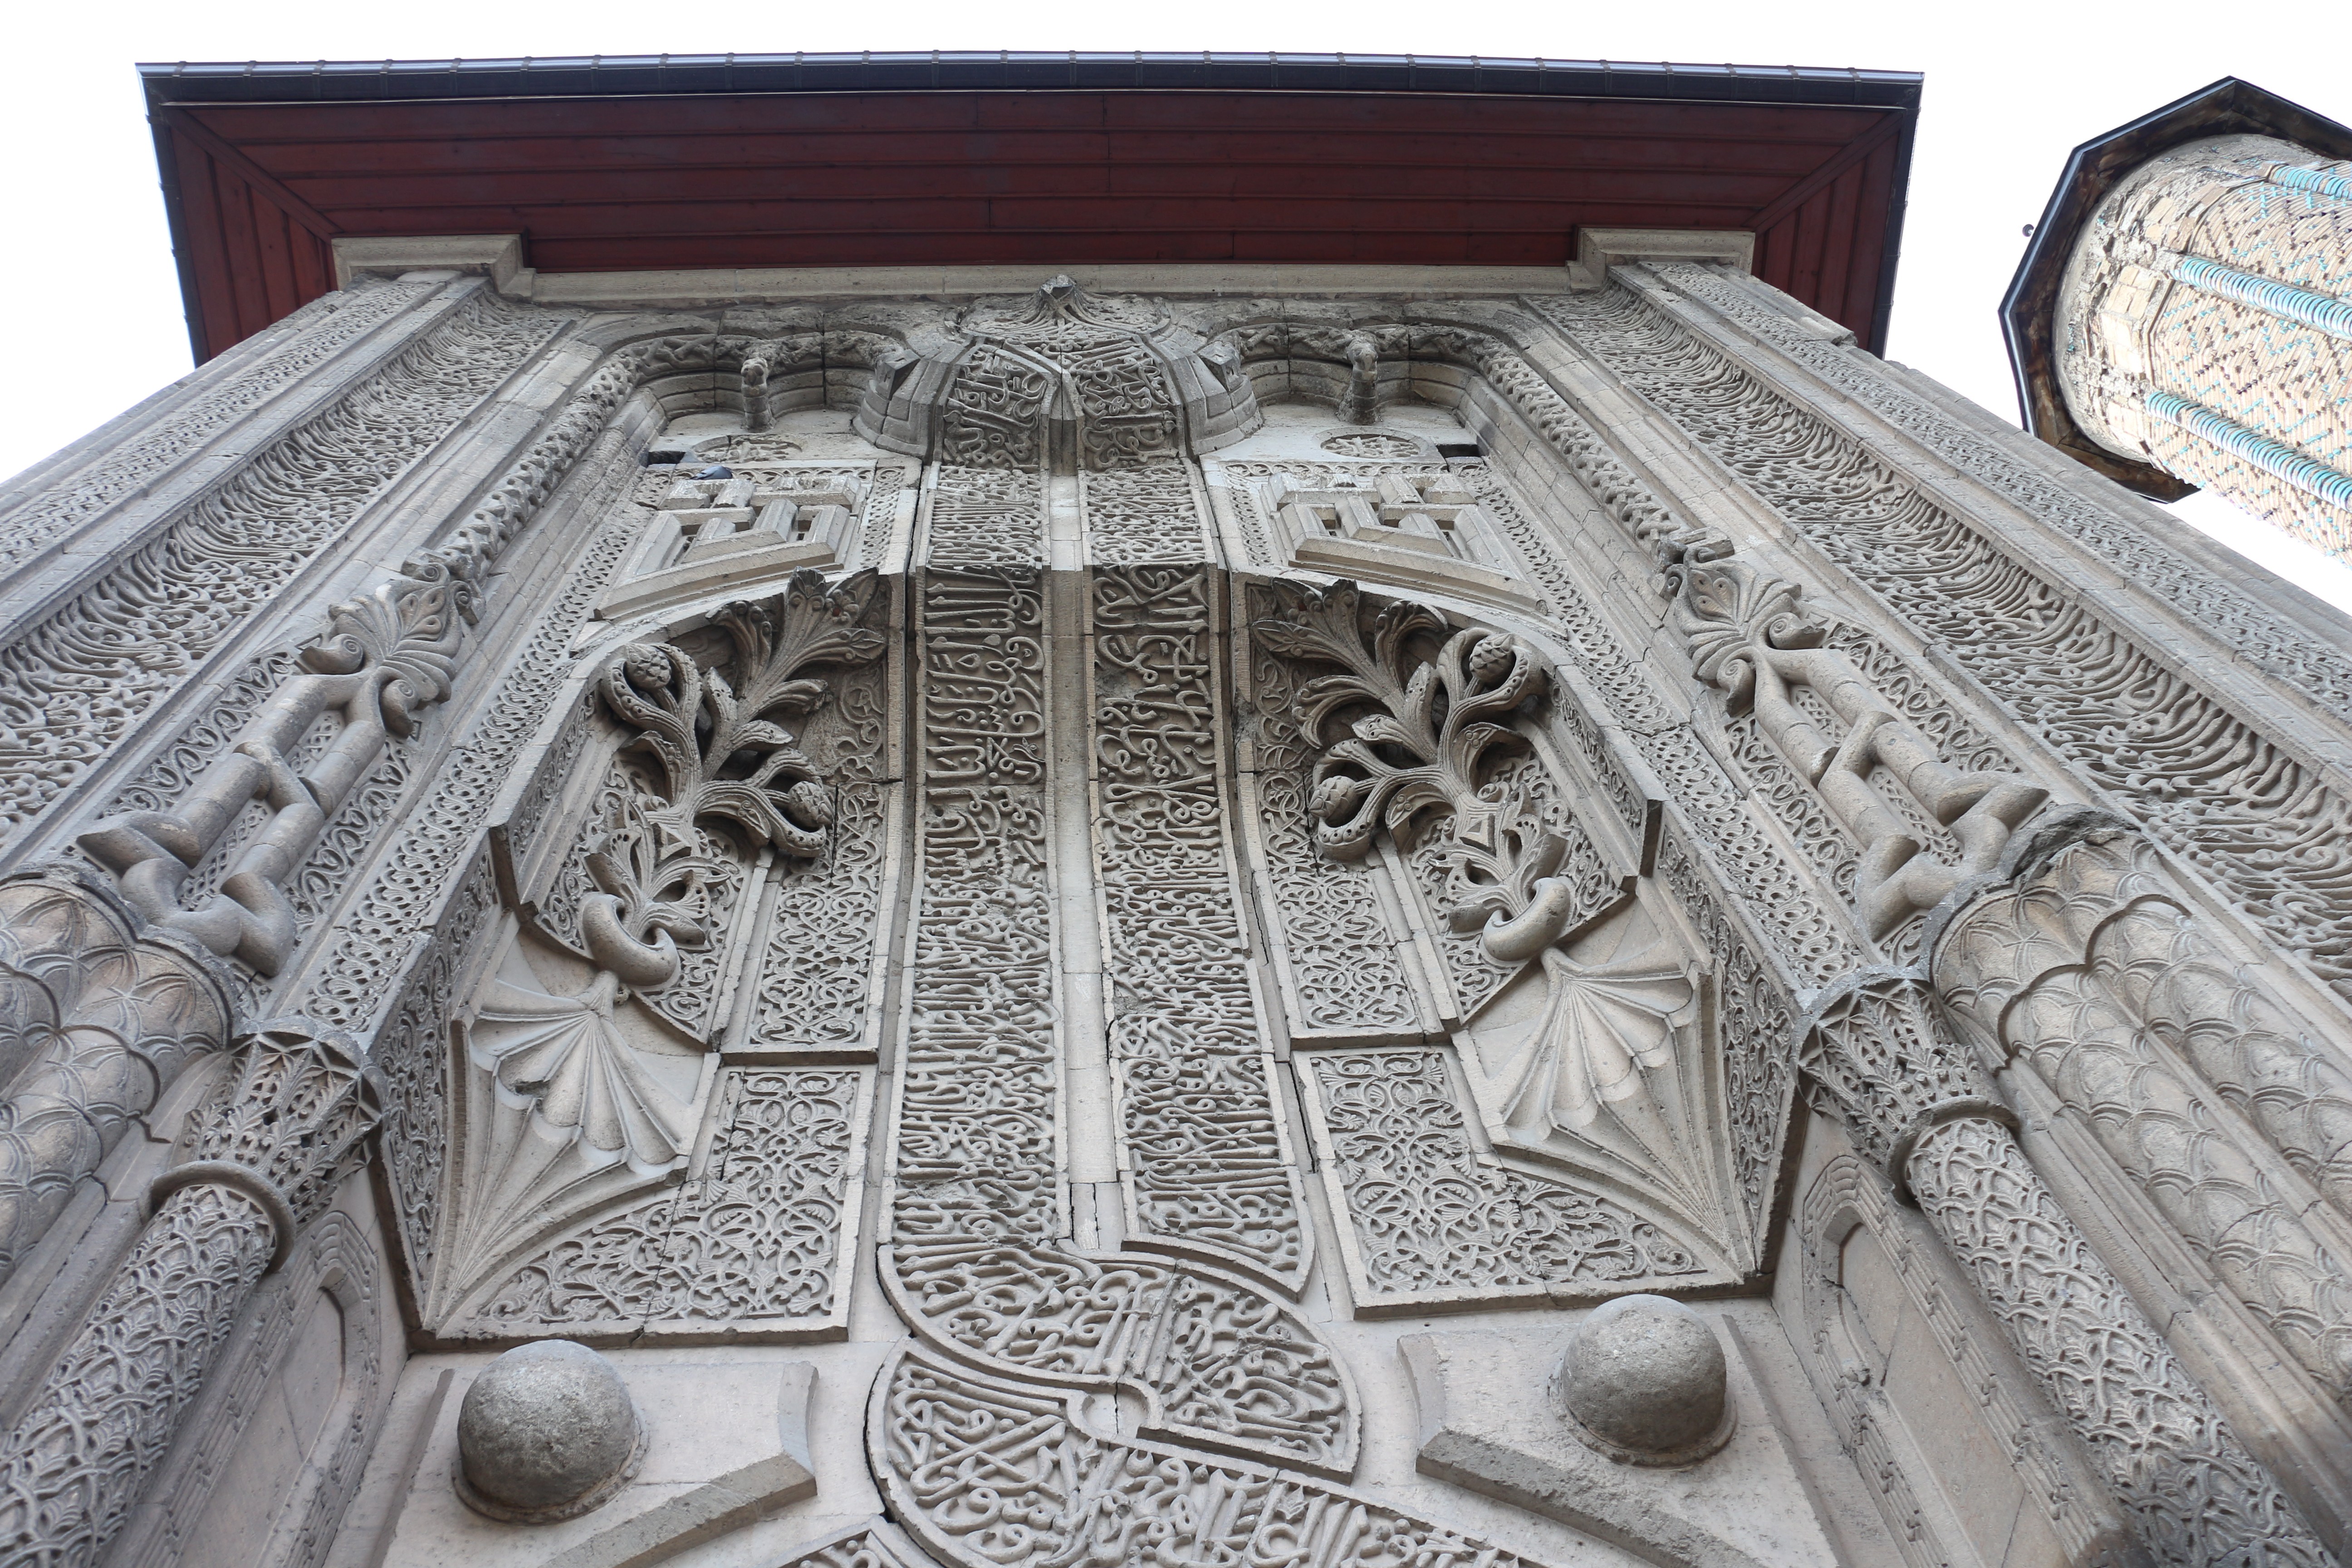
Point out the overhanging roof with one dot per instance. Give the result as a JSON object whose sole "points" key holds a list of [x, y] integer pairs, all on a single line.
{"points": [[2029, 310], [612, 164]]}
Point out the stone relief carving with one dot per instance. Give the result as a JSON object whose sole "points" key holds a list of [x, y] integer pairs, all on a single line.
{"points": [[1202, 1124], [1608, 1115], [2095, 976], [1344, 975], [981, 1471], [980, 1256], [413, 1054], [97, 1023], [1750, 638], [309, 338], [1848, 1368], [72, 684], [875, 1543], [288, 1125], [1432, 1221], [1813, 942], [384, 659], [1061, 380], [332, 1274], [1425, 530], [377, 936], [1874, 1059], [749, 1249], [1603, 1073], [2237, 804], [581, 1097], [2120, 534], [1147, 512]]}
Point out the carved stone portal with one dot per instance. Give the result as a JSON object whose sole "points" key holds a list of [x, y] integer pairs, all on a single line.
{"points": [[957, 932]]}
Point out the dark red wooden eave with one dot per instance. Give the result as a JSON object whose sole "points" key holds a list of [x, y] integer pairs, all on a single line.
{"points": [[260, 177]]}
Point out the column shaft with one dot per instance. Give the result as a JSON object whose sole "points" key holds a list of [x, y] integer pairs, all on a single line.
{"points": [[74, 1468]]}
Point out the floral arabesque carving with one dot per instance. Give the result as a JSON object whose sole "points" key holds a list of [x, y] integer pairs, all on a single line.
{"points": [[1418, 727], [309, 338], [2222, 788], [723, 758], [1429, 1220], [1422, 733], [1423, 751], [2128, 534], [384, 659], [583, 1113], [73, 683], [753, 1242], [1750, 639]]}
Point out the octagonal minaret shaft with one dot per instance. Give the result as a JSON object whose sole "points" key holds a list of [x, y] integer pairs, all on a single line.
{"points": [[2203, 326]]}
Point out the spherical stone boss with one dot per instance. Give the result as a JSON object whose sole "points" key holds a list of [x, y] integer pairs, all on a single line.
{"points": [[547, 1432], [1642, 1380]]}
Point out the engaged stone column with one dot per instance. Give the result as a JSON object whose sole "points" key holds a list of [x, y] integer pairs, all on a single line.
{"points": [[1918, 1108], [101, 1022], [283, 1133]]}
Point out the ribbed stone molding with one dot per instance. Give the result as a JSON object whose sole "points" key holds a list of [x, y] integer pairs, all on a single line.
{"points": [[2083, 964], [272, 1144]]}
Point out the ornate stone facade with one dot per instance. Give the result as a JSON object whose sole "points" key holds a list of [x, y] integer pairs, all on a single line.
{"points": [[1088, 927]]}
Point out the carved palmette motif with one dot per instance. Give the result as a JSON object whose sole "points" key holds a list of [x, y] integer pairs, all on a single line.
{"points": [[751, 1246], [1532, 936], [577, 1099], [2119, 534], [1416, 743]]}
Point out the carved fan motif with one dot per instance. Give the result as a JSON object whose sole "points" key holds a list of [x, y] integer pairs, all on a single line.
{"points": [[564, 1057]]}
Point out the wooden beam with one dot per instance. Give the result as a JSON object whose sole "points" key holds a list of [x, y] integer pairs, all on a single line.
{"points": [[263, 184], [1812, 185]]}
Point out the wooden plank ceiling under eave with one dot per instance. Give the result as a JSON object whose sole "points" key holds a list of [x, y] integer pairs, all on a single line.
{"points": [[1058, 178]]}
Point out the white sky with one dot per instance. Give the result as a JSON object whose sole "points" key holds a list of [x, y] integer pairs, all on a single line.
{"points": [[2011, 88]]}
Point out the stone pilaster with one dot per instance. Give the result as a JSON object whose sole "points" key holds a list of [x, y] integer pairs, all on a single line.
{"points": [[102, 1020]]}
